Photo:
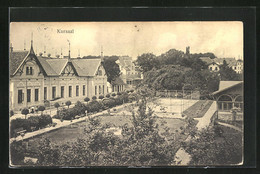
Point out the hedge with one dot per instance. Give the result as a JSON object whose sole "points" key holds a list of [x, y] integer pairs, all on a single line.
{"points": [[36, 122]]}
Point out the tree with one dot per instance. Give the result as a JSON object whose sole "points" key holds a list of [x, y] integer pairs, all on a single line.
{"points": [[108, 95], [25, 111], [68, 103], [101, 97], [94, 98], [227, 73], [111, 68], [86, 99], [41, 108], [147, 62], [57, 105]]}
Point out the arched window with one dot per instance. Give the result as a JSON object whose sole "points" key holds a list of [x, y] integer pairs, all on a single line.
{"points": [[225, 102]]}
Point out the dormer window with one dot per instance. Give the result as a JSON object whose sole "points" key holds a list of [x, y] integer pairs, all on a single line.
{"points": [[29, 70]]}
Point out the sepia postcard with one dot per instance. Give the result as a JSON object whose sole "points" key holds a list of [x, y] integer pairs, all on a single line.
{"points": [[144, 93]]}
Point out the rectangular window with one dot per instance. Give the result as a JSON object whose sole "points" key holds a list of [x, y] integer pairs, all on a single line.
{"points": [[27, 71], [70, 90], [83, 89], [95, 90], [53, 92], [31, 71], [28, 95], [20, 96], [36, 94], [77, 90], [45, 93], [62, 91], [99, 89]]}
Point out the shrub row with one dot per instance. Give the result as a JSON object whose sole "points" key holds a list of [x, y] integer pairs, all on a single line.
{"points": [[30, 124], [93, 106]]}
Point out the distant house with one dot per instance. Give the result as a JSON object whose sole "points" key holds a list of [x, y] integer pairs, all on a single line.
{"points": [[130, 73], [214, 64], [117, 85], [37, 79], [229, 95]]}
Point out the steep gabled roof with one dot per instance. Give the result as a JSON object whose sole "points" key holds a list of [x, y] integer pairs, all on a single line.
{"points": [[224, 85], [15, 59], [86, 67]]}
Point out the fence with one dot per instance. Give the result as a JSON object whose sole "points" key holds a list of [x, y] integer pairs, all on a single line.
{"points": [[185, 94]]}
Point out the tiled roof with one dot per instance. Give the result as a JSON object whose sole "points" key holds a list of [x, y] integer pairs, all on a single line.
{"points": [[54, 66], [16, 58], [86, 67], [46, 66], [207, 60], [224, 85]]}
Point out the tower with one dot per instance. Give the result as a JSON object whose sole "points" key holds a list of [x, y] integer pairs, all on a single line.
{"points": [[188, 50]]}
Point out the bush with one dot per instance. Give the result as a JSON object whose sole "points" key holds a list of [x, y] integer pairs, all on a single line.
{"points": [[68, 103], [108, 95], [57, 105], [94, 98], [131, 90], [109, 103], [41, 108], [27, 124], [113, 94], [101, 97], [119, 93], [86, 99], [25, 111], [94, 106]]}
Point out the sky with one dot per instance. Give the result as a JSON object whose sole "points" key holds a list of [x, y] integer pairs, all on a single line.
{"points": [[224, 39]]}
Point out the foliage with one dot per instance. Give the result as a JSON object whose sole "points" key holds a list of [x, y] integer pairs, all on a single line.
{"points": [[101, 97], [25, 111], [113, 94], [68, 103], [227, 73], [210, 146], [147, 62], [86, 99], [109, 103], [111, 68], [94, 98], [41, 108], [56, 105], [30, 124], [108, 95], [139, 145], [17, 152], [119, 93], [94, 106], [11, 113]]}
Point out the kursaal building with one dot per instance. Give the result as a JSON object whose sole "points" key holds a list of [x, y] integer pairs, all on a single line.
{"points": [[36, 79]]}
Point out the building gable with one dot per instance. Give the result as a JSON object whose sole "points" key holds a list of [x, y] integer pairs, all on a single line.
{"points": [[69, 70]]}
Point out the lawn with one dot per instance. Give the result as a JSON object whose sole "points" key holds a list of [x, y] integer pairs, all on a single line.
{"points": [[76, 130]]}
